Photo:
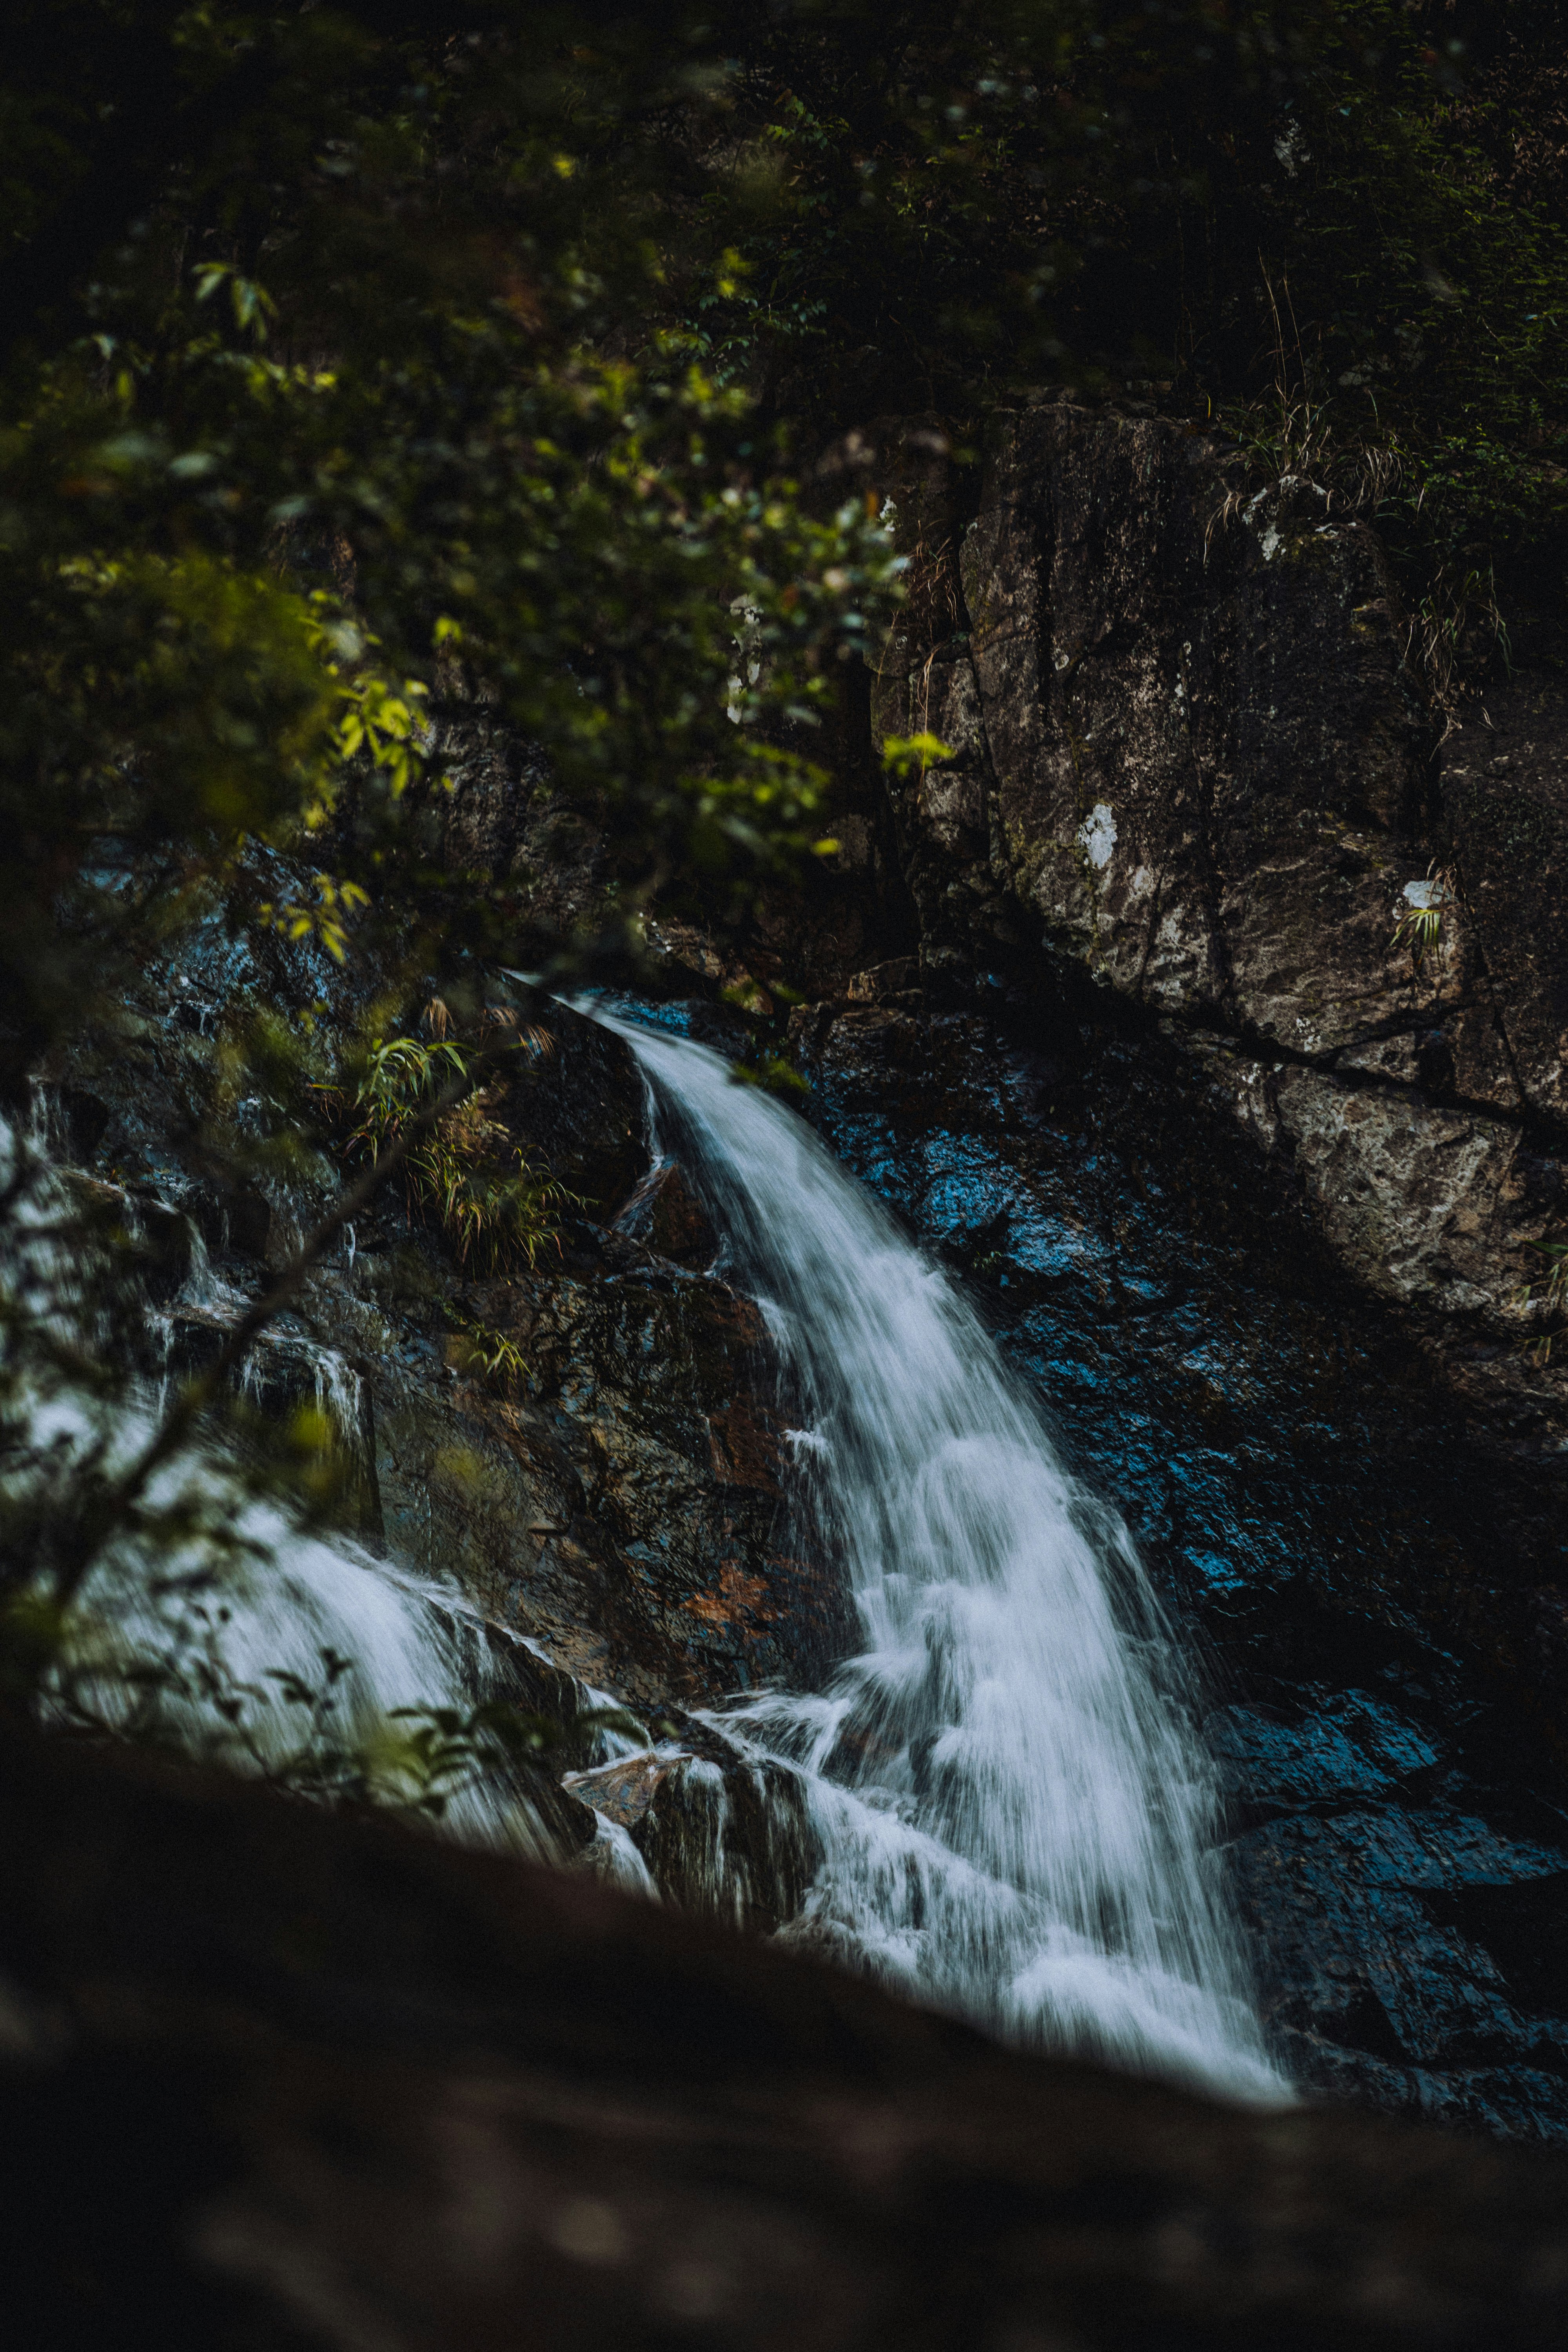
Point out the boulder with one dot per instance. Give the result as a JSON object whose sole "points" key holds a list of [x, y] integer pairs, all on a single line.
{"points": [[272, 2078], [666, 1215]]}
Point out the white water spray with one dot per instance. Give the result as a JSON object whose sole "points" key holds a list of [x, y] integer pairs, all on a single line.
{"points": [[237, 1607], [1017, 1818]]}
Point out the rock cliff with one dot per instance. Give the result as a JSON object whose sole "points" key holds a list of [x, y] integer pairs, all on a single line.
{"points": [[1191, 758]]}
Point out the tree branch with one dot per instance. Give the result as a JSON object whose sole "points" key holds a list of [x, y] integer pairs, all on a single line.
{"points": [[112, 1508]]}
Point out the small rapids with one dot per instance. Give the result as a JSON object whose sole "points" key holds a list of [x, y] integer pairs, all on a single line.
{"points": [[245, 1611], [244, 1637], [1017, 1818]]}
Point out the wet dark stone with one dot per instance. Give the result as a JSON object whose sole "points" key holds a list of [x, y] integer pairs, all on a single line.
{"points": [[85, 1118], [232, 1218], [163, 1250], [718, 1026], [579, 1109], [1505, 802], [729, 1841], [1549, 1639], [1339, 1543], [666, 1215], [286, 1373]]}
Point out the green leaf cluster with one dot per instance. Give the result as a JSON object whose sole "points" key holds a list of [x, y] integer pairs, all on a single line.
{"points": [[465, 1169], [341, 428]]}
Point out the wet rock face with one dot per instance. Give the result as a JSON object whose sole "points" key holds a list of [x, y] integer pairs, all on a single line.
{"points": [[271, 2079], [1427, 1202], [656, 1390], [611, 1485], [1367, 1576], [665, 1214], [579, 1110], [1191, 757], [1505, 809], [1189, 747]]}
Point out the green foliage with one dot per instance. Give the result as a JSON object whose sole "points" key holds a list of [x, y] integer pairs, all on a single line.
{"points": [[1548, 1291], [327, 437], [1419, 930], [913, 754], [1421, 309], [480, 1352], [168, 1683], [405, 364], [338, 394], [330, 916], [1338, 228], [774, 1073], [1420, 927], [930, 204], [464, 1168]]}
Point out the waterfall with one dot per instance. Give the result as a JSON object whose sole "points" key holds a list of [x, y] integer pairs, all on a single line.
{"points": [[216, 1639], [1016, 1817], [235, 1620]]}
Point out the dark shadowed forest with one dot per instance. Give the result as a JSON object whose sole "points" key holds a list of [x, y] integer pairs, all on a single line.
{"points": [[784, 1173]]}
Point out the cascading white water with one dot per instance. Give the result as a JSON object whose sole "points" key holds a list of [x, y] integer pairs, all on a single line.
{"points": [[1017, 1818], [273, 1606], [1014, 1817], [232, 1615]]}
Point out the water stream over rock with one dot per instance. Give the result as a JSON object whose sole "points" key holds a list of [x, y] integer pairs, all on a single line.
{"points": [[1131, 1314], [1014, 1815], [1317, 1513]]}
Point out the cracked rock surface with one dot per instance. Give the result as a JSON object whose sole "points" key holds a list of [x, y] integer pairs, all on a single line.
{"points": [[1190, 755]]}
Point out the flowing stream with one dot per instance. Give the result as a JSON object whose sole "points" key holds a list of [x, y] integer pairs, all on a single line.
{"points": [[1017, 1818]]}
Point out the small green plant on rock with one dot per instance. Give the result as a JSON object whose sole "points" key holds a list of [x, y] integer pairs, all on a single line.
{"points": [[465, 1169], [774, 1073], [481, 1353], [1420, 927], [1550, 1294], [905, 755]]}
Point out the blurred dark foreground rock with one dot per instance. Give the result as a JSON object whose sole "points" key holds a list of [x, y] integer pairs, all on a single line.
{"points": [[277, 2080]]}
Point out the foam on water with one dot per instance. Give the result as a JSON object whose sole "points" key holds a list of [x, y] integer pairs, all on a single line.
{"points": [[1016, 1817]]}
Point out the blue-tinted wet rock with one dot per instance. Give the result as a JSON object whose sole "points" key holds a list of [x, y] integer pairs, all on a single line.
{"points": [[1360, 1570]]}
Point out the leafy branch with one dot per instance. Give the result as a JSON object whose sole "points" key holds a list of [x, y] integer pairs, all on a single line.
{"points": [[464, 1167], [103, 1501], [175, 1689]]}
